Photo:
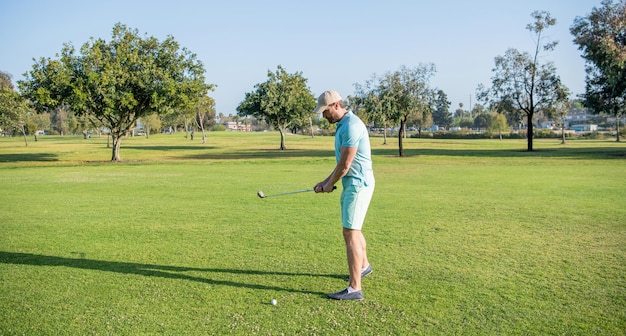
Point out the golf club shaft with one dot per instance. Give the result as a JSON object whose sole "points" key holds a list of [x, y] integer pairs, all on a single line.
{"points": [[291, 192]]}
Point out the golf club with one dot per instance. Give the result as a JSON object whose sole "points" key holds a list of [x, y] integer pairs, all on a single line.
{"points": [[262, 195]]}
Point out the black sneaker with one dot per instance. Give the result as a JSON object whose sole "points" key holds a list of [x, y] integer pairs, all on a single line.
{"points": [[364, 272], [344, 295]]}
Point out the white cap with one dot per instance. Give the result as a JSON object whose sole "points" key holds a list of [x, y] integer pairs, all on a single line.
{"points": [[325, 99]]}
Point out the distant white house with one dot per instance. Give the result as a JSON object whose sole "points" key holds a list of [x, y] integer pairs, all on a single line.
{"points": [[237, 126]]}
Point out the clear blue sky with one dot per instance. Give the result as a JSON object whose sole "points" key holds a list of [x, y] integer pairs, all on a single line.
{"points": [[333, 43]]}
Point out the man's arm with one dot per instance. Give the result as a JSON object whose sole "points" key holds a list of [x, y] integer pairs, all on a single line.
{"points": [[346, 156]]}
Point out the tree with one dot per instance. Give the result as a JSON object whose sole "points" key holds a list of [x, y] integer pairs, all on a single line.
{"points": [[498, 124], [520, 78], [59, 118], [150, 123], [367, 102], [399, 95], [602, 38], [36, 122], [14, 111], [5, 80], [500, 110], [205, 115], [441, 111], [459, 113], [281, 101], [407, 92], [118, 81], [420, 120], [483, 120], [562, 109], [559, 110]]}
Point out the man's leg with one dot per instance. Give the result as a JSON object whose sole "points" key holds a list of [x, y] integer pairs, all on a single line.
{"points": [[354, 203], [357, 255], [366, 262]]}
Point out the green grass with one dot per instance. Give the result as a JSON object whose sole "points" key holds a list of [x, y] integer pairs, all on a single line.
{"points": [[466, 237]]}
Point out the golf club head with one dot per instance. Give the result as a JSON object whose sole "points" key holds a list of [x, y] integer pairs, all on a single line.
{"points": [[260, 194]]}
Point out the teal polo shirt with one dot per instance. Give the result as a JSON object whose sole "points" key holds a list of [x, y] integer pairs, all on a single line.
{"points": [[351, 132]]}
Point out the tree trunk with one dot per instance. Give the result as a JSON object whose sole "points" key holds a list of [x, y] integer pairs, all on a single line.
{"points": [[529, 135], [400, 135], [24, 134], [385, 133], [311, 126], [617, 117], [563, 133], [200, 118], [282, 139], [116, 148]]}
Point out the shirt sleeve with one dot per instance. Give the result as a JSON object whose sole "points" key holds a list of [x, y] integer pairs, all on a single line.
{"points": [[351, 137]]}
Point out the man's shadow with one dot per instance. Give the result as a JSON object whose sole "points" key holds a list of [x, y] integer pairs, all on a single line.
{"points": [[150, 270]]}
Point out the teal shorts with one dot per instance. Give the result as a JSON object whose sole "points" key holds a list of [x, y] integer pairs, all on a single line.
{"points": [[354, 203]]}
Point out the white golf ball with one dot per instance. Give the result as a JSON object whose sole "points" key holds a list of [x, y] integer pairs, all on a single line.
{"points": [[274, 302]]}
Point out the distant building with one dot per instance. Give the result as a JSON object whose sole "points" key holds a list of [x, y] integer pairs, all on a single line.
{"points": [[585, 128], [577, 116], [237, 126]]}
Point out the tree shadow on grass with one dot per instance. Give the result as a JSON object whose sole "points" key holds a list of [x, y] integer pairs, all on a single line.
{"points": [[159, 271], [267, 153], [572, 153], [168, 148], [264, 154], [27, 157], [206, 153]]}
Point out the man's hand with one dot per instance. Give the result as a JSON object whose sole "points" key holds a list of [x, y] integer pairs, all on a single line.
{"points": [[324, 187]]}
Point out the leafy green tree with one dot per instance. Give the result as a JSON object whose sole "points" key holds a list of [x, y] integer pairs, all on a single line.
{"points": [[281, 101], [367, 102], [5, 80], [407, 92], [398, 97], [562, 109], [420, 120], [602, 38], [466, 122], [460, 112], [441, 111], [118, 81], [497, 124], [205, 115], [151, 123], [59, 119], [558, 111], [14, 111], [483, 120], [36, 122], [519, 77]]}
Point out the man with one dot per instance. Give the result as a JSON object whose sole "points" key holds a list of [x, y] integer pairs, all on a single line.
{"points": [[354, 168]]}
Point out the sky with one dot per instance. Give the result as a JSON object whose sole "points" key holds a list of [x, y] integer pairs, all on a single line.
{"points": [[335, 44]]}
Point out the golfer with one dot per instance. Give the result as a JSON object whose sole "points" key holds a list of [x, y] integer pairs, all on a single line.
{"points": [[354, 168]]}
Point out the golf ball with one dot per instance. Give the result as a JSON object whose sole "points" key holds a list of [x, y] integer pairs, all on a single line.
{"points": [[274, 302]]}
